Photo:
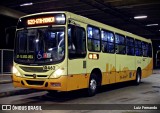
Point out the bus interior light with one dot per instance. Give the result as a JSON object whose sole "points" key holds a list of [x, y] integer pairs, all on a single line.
{"points": [[50, 49]]}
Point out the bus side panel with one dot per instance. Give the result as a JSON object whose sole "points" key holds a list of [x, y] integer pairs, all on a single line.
{"points": [[145, 62], [108, 68], [139, 62], [150, 66], [146, 65], [77, 81], [125, 68], [147, 70], [77, 77]]}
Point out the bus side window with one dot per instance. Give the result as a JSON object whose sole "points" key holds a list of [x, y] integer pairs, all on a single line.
{"points": [[93, 39], [144, 49], [138, 48], [130, 46], [76, 42], [120, 46], [149, 50], [107, 38]]}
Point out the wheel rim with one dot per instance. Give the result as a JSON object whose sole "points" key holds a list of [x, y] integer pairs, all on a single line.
{"points": [[93, 85]]}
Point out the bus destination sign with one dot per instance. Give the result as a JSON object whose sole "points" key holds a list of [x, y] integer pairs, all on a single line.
{"points": [[37, 21]]}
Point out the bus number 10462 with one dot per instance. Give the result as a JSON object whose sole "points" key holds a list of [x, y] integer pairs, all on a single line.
{"points": [[48, 67]]}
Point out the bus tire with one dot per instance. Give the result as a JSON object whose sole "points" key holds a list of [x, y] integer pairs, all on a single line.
{"points": [[92, 88], [138, 78]]}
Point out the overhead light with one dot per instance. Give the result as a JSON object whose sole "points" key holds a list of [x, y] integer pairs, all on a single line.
{"points": [[26, 4], [152, 25], [140, 17]]}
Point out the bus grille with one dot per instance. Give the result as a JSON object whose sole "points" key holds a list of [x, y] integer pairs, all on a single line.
{"points": [[30, 82], [39, 76], [33, 69]]}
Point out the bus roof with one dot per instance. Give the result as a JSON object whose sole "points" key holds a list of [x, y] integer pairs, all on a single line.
{"points": [[93, 23], [106, 27]]}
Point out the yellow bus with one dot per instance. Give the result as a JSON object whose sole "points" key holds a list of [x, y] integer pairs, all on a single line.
{"points": [[62, 51]]}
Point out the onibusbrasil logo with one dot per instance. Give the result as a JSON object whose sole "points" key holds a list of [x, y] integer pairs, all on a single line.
{"points": [[20, 107]]}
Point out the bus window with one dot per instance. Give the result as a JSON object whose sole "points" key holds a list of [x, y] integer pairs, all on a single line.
{"points": [[22, 41], [138, 48], [120, 44], [107, 41], [93, 39], [149, 50], [76, 42], [144, 49], [129, 46]]}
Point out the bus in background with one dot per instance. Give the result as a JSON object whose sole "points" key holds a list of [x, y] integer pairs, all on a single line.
{"points": [[62, 51]]}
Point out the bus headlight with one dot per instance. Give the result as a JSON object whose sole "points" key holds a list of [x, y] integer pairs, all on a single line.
{"points": [[15, 71], [57, 73]]}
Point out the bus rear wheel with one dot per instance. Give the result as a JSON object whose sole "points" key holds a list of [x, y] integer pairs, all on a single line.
{"points": [[92, 88], [138, 78]]}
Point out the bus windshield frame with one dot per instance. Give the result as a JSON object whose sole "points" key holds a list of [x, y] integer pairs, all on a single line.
{"points": [[39, 46]]}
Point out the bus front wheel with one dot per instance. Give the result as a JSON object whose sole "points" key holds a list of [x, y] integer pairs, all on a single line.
{"points": [[92, 88]]}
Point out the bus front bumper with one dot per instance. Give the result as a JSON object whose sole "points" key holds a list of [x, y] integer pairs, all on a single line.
{"points": [[58, 84]]}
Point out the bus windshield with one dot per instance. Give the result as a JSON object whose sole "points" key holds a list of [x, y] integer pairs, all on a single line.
{"points": [[40, 45]]}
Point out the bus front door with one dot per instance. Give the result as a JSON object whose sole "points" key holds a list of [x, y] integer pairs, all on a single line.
{"points": [[77, 77]]}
